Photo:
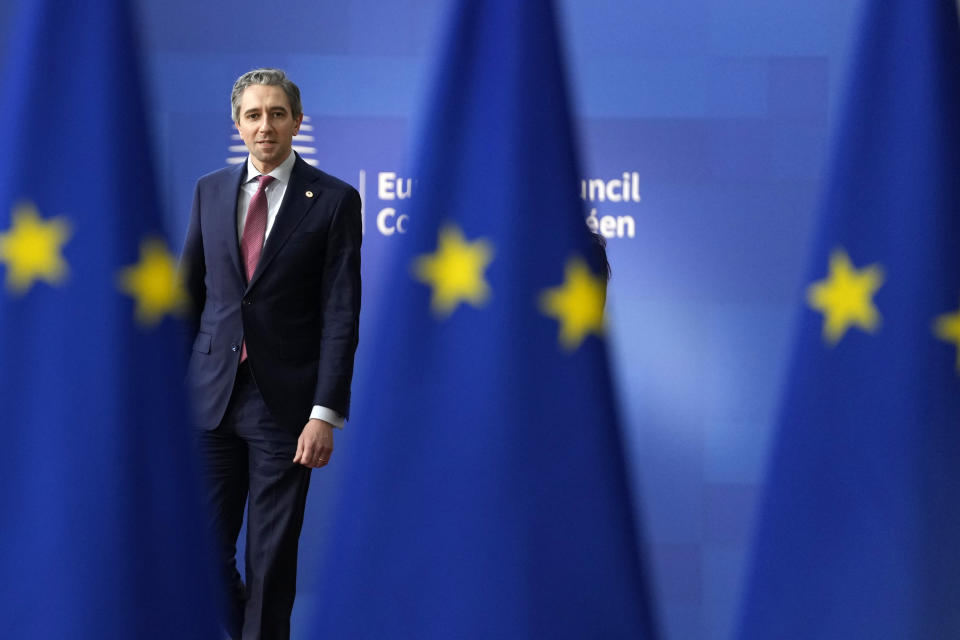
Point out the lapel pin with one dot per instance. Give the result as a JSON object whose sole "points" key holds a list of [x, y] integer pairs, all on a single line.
{"points": [[309, 194]]}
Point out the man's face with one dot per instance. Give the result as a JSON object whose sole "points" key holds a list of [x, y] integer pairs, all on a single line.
{"points": [[266, 125]]}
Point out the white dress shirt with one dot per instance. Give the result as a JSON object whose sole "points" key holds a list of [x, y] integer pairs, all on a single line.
{"points": [[274, 192]]}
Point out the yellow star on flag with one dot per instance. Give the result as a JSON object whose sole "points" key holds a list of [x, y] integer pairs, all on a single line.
{"points": [[33, 249], [845, 297], [577, 304], [153, 283], [947, 328], [455, 271]]}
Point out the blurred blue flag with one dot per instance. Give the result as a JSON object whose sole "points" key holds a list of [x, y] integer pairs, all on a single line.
{"points": [[101, 519], [859, 533], [485, 492]]}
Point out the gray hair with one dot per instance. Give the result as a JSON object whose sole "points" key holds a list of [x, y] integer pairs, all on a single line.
{"points": [[269, 77]]}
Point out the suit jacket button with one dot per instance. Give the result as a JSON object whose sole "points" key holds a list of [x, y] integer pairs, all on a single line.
{"points": [[234, 347], [247, 302]]}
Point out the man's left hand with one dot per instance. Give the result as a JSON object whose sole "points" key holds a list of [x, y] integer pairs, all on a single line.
{"points": [[315, 445]]}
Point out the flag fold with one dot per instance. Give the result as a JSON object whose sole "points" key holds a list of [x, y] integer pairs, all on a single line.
{"points": [[485, 489], [101, 532], [857, 535]]}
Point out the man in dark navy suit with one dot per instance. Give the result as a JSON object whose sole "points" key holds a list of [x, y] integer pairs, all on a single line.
{"points": [[272, 265]]}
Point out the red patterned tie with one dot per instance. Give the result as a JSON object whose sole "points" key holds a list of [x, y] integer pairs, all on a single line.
{"points": [[254, 230], [251, 243]]}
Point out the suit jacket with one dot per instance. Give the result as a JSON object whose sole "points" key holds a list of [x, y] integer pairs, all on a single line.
{"points": [[299, 314]]}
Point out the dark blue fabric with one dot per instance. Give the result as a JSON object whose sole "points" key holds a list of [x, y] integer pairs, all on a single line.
{"points": [[251, 455], [485, 491], [101, 531], [858, 531]]}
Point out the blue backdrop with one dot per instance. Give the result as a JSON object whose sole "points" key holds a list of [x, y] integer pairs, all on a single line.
{"points": [[704, 130]]}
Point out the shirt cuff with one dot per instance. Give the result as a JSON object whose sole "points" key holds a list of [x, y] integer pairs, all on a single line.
{"points": [[327, 415]]}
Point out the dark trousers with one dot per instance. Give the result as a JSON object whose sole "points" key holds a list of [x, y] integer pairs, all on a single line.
{"points": [[248, 458]]}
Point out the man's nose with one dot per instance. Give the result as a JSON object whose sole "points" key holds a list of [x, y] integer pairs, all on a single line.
{"points": [[265, 123]]}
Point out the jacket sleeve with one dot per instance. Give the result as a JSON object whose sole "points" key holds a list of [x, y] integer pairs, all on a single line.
{"points": [[340, 297]]}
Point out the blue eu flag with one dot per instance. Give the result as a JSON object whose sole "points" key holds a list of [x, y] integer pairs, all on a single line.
{"points": [[859, 533], [100, 534], [485, 492]]}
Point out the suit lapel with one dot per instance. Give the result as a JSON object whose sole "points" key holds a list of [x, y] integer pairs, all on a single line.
{"points": [[294, 206], [228, 217]]}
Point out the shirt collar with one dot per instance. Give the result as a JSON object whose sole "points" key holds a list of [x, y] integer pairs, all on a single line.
{"points": [[281, 173]]}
